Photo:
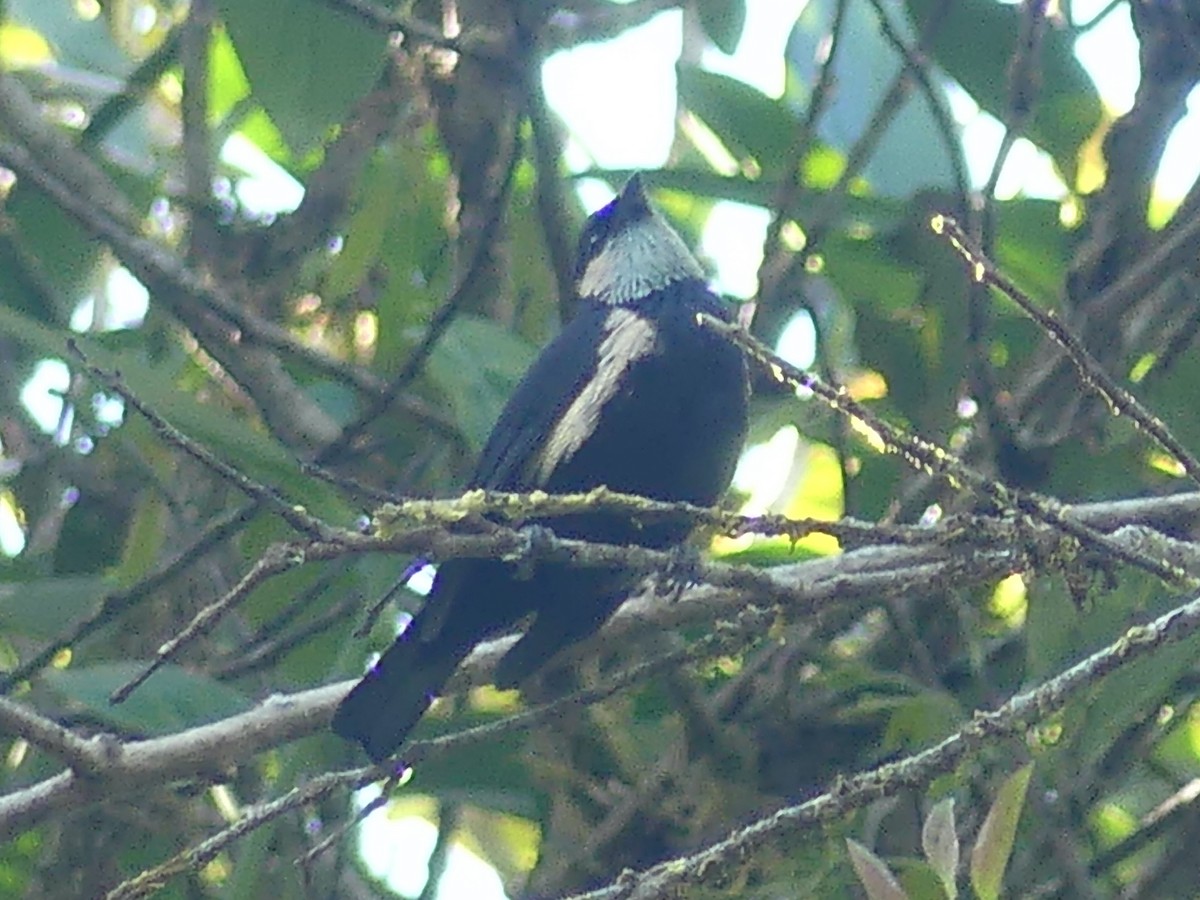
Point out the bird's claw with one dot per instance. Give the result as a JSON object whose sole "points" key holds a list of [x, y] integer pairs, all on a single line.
{"points": [[682, 569], [535, 539]]}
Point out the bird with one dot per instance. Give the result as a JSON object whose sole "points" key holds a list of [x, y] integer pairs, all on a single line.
{"points": [[634, 394]]}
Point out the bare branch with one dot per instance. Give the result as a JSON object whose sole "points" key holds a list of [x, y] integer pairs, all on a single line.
{"points": [[713, 864], [1094, 375]]}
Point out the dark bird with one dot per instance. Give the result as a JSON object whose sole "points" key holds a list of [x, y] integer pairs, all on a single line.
{"points": [[634, 394]]}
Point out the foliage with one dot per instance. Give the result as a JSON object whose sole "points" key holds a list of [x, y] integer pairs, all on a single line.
{"points": [[371, 327]]}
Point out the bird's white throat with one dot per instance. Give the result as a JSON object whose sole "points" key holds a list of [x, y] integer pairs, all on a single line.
{"points": [[644, 258]]}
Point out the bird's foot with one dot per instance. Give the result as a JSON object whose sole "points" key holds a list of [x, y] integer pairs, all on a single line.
{"points": [[682, 569], [535, 541]]}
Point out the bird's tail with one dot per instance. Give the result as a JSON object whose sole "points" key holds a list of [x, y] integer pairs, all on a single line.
{"points": [[383, 708]]}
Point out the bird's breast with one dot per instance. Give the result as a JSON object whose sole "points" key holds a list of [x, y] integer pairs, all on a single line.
{"points": [[663, 415], [627, 339]]}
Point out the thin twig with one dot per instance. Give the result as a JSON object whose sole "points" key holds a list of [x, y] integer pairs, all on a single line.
{"points": [[439, 323], [1120, 400], [141, 82], [1013, 718], [749, 621], [296, 516], [117, 602], [268, 651], [929, 457], [843, 582], [279, 558], [789, 187]]}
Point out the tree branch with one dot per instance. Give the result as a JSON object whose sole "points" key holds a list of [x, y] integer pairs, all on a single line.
{"points": [[717, 863], [814, 587]]}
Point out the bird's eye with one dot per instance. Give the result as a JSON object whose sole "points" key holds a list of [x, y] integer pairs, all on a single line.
{"points": [[590, 240]]}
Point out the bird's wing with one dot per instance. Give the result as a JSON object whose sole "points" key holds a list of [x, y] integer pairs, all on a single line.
{"points": [[555, 406]]}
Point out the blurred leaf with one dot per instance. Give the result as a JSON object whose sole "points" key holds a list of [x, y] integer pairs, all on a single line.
{"points": [[723, 22], [42, 608], [227, 84], [993, 846], [78, 41], [411, 261], [67, 256], [378, 193], [1178, 754], [306, 61], [1128, 696], [234, 439], [1172, 395], [1052, 629], [336, 399], [866, 275], [919, 880], [43, 339], [874, 875], [257, 126], [939, 842], [144, 538], [748, 121], [509, 843], [1032, 248], [539, 310], [171, 700], [912, 153], [974, 41], [331, 651], [477, 365], [22, 47], [501, 779], [917, 720], [1059, 634], [768, 552]]}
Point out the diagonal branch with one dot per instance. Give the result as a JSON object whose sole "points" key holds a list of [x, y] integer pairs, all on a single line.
{"points": [[850, 579], [715, 863]]}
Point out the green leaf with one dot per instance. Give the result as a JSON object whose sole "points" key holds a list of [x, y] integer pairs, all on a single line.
{"points": [[42, 608], [989, 857], [974, 41], [1125, 699], [67, 255], [477, 365], [909, 155], [79, 42], [235, 440], [723, 21], [874, 875], [379, 192], [918, 879], [502, 779], [146, 536], [1032, 248], [924, 717], [227, 84], [748, 121], [24, 329], [171, 700], [939, 841], [306, 62]]}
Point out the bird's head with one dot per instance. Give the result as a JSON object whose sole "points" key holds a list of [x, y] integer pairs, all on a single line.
{"points": [[628, 251]]}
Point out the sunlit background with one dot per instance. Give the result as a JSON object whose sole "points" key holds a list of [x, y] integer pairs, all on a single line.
{"points": [[617, 100]]}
